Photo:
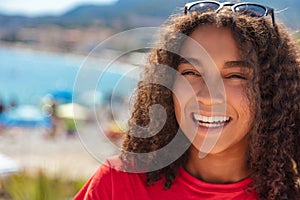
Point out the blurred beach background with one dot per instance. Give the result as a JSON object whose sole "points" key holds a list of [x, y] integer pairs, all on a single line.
{"points": [[63, 104]]}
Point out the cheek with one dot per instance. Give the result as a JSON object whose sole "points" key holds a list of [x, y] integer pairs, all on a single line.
{"points": [[182, 94], [241, 102], [180, 101], [177, 109]]}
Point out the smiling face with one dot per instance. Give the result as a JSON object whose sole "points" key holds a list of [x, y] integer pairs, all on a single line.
{"points": [[211, 104]]}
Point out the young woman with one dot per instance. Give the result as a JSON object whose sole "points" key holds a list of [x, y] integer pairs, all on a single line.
{"points": [[231, 98]]}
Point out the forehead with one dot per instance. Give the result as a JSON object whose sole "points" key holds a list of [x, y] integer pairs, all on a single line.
{"points": [[213, 40]]}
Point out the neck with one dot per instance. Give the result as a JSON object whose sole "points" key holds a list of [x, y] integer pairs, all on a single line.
{"points": [[222, 167]]}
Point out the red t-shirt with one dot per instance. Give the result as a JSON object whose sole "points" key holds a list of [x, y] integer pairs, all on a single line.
{"points": [[108, 183]]}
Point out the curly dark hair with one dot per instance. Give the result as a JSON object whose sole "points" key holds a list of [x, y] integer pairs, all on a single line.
{"points": [[274, 147]]}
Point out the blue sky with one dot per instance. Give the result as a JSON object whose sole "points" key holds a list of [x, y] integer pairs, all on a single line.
{"points": [[42, 7]]}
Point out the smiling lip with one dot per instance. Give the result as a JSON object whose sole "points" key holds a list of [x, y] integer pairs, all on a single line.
{"points": [[210, 121]]}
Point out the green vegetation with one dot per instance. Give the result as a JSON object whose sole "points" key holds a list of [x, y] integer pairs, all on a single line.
{"points": [[23, 186]]}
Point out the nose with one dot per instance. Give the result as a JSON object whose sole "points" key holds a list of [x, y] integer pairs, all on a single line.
{"points": [[211, 94]]}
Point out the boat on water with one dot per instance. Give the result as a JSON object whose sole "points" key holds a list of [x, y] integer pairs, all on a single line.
{"points": [[8, 165]]}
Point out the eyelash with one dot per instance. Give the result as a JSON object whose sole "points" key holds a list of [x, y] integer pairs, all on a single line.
{"points": [[238, 76], [232, 76], [192, 73]]}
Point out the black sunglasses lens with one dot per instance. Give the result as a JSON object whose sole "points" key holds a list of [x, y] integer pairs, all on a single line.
{"points": [[252, 10], [204, 7]]}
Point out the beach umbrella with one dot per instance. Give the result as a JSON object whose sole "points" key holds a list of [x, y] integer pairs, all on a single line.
{"points": [[72, 111], [25, 116], [62, 96]]}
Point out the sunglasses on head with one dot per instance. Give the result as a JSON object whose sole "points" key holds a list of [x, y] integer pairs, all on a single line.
{"points": [[251, 9]]}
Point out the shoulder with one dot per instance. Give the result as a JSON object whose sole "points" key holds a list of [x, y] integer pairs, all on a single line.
{"points": [[97, 186], [108, 179], [113, 171]]}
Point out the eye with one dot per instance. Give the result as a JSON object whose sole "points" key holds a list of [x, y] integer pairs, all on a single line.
{"points": [[237, 76], [190, 73]]}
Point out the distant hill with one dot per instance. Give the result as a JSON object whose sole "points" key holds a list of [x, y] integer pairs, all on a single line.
{"points": [[139, 12], [126, 14]]}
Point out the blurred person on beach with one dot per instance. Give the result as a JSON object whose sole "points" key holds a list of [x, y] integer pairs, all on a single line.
{"points": [[55, 121], [70, 127], [13, 103], [2, 106], [228, 79], [2, 110]]}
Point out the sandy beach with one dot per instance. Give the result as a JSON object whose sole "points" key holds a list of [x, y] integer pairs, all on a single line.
{"points": [[73, 157]]}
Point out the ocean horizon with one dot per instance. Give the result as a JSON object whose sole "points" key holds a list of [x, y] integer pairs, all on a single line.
{"points": [[28, 75]]}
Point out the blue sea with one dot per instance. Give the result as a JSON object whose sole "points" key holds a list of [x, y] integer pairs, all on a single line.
{"points": [[28, 76]]}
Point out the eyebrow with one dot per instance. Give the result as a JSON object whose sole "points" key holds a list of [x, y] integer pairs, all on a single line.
{"points": [[228, 64], [190, 60], [237, 63]]}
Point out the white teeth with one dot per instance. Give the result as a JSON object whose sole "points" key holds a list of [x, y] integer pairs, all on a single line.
{"points": [[208, 125], [214, 119]]}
